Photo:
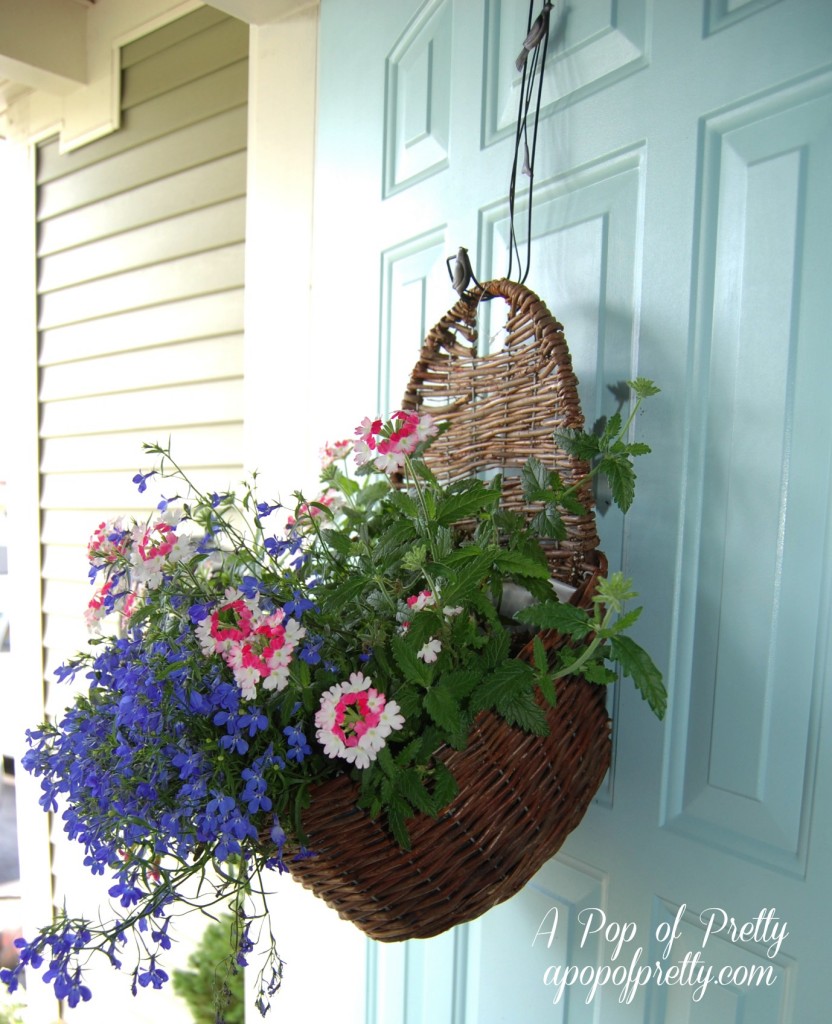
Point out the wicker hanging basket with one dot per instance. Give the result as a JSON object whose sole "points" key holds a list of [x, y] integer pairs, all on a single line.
{"points": [[519, 795]]}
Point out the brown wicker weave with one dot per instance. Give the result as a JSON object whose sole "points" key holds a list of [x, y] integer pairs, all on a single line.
{"points": [[519, 795]]}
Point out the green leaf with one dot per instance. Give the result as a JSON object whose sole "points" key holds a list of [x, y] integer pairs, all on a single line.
{"points": [[622, 480], [578, 444], [637, 663], [623, 622], [405, 504], [460, 684], [443, 709], [547, 687], [515, 563], [465, 504], [445, 786], [522, 710], [390, 542], [414, 559], [643, 387], [410, 786], [338, 541], [397, 814], [411, 667], [615, 591], [597, 672], [425, 472], [565, 618], [535, 480], [549, 523], [611, 432], [386, 763], [510, 677], [345, 592], [541, 658]]}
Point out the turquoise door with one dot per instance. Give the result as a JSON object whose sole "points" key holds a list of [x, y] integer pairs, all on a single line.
{"points": [[681, 230]]}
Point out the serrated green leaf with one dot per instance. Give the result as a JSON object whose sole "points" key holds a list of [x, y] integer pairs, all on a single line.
{"points": [[636, 663], [578, 444], [534, 478], [391, 541], [410, 786], [521, 709], [622, 480], [546, 686], [615, 591], [425, 472], [565, 618], [443, 709], [459, 684], [623, 622], [597, 672], [345, 592], [404, 503], [510, 677], [643, 387], [410, 666], [415, 558], [612, 429], [397, 814], [516, 563], [445, 787], [338, 541], [386, 762], [464, 505], [541, 658], [548, 523]]}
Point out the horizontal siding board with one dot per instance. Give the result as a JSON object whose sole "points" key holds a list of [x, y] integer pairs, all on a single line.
{"points": [[169, 35], [198, 317], [210, 227], [203, 447], [68, 563], [198, 187], [214, 359], [72, 527], [206, 98], [191, 275], [196, 144], [211, 50], [153, 409], [107, 494]]}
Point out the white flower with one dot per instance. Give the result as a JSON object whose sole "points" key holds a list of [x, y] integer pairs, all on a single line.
{"points": [[431, 650]]}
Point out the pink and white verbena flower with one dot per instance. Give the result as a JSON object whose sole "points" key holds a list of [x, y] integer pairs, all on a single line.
{"points": [[332, 452], [153, 545], [109, 540], [388, 445], [256, 645], [354, 720]]}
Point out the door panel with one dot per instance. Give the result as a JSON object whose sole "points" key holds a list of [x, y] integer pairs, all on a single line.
{"points": [[681, 226]]}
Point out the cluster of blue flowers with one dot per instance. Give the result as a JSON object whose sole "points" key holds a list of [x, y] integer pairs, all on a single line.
{"points": [[161, 770]]}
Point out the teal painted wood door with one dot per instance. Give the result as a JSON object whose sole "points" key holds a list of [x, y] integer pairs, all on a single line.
{"points": [[682, 224]]}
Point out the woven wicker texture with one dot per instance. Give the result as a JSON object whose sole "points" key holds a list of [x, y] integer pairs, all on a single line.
{"points": [[519, 795]]}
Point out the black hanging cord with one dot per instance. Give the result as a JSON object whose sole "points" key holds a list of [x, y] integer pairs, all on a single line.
{"points": [[532, 59]]}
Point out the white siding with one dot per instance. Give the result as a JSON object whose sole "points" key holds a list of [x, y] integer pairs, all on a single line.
{"points": [[140, 319]]}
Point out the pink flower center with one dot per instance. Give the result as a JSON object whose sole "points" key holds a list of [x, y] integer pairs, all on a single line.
{"points": [[354, 716], [231, 621], [261, 645], [157, 542]]}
